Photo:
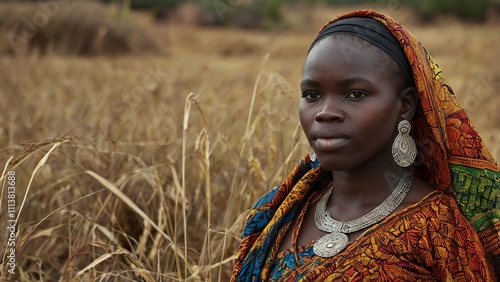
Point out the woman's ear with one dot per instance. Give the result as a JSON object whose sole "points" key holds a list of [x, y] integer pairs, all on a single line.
{"points": [[409, 100]]}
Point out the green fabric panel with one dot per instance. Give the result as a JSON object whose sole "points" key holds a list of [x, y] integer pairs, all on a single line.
{"points": [[477, 192]]}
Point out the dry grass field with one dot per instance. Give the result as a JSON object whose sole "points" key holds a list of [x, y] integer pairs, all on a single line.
{"points": [[142, 167]]}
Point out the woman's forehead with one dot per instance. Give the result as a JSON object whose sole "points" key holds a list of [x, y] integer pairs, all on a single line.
{"points": [[344, 50], [336, 59]]}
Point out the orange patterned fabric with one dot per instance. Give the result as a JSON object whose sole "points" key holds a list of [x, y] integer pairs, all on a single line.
{"points": [[445, 227], [428, 241]]}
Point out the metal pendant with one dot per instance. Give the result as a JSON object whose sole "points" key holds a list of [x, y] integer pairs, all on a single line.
{"points": [[330, 244], [404, 150]]}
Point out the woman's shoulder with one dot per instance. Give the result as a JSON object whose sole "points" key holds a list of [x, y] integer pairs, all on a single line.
{"points": [[436, 205], [434, 216], [266, 198], [260, 214], [426, 199]]}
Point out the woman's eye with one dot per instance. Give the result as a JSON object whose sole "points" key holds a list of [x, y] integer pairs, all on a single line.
{"points": [[355, 95], [311, 95]]}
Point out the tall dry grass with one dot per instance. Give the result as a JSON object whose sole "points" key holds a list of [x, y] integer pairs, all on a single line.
{"points": [[143, 168]]}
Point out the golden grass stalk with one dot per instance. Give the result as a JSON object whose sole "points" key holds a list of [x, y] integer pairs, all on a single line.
{"points": [[113, 189], [99, 260], [203, 146], [187, 109], [37, 167]]}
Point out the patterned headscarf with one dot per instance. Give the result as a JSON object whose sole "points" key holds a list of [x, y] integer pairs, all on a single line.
{"points": [[451, 157]]}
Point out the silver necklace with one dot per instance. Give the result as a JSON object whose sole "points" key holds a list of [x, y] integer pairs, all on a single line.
{"points": [[337, 240]]}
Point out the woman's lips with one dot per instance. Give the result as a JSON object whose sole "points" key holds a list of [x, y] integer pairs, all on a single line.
{"points": [[329, 139], [330, 144]]}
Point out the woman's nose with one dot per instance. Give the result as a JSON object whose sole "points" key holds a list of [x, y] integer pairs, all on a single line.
{"points": [[330, 111]]}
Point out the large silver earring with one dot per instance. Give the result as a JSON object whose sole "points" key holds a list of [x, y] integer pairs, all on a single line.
{"points": [[404, 149]]}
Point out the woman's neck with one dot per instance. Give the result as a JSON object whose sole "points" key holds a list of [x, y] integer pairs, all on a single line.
{"points": [[367, 185]]}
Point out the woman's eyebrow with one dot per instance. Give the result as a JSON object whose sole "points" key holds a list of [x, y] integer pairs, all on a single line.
{"points": [[309, 82], [345, 82], [349, 81]]}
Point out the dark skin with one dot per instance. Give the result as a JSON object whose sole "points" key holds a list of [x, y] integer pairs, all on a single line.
{"points": [[349, 111]]}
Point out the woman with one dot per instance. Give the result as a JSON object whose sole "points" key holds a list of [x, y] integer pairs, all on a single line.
{"points": [[361, 207]]}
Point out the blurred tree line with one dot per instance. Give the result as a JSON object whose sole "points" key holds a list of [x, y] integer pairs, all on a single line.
{"points": [[262, 13], [270, 11]]}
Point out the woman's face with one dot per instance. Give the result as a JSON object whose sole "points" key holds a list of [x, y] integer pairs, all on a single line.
{"points": [[349, 109]]}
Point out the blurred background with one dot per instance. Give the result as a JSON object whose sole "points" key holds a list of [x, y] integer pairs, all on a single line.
{"points": [[142, 131]]}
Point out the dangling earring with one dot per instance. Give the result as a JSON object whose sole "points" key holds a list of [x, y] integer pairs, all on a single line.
{"points": [[404, 149], [312, 155]]}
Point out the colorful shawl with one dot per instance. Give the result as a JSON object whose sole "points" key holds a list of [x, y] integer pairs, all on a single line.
{"points": [[427, 241], [451, 157]]}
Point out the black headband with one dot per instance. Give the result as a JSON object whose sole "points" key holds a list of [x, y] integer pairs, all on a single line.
{"points": [[375, 33]]}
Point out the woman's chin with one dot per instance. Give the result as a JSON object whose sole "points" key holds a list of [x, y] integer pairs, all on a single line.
{"points": [[336, 165]]}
